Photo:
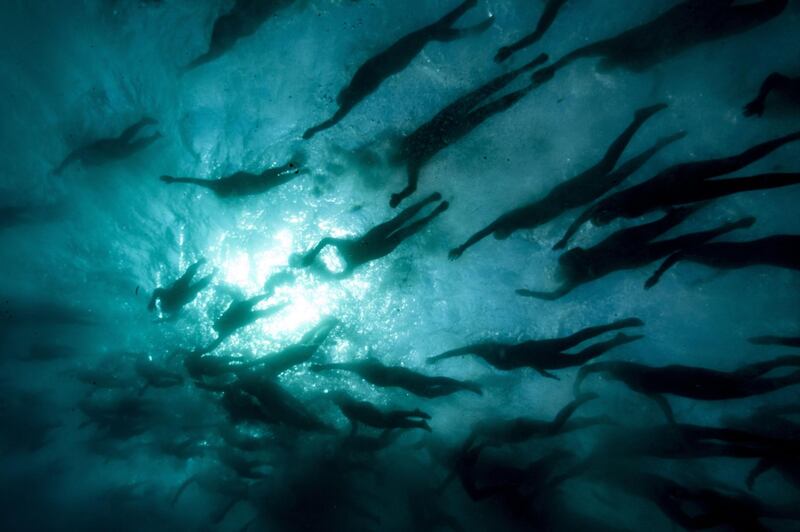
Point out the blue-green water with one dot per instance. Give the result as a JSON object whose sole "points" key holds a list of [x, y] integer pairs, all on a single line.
{"points": [[86, 447]]}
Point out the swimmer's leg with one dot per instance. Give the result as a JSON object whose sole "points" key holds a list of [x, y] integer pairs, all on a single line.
{"points": [[610, 159], [385, 229], [131, 132], [410, 230], [600, 348], [724, 187], [717, 167], [414, 167], [591, 332]]}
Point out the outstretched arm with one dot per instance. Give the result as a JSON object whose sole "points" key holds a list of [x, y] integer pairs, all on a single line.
{"points": [[757, 106], [455, 253]]}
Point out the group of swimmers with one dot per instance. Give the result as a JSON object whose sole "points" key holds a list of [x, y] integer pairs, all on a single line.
{"points": [[249, 392]]}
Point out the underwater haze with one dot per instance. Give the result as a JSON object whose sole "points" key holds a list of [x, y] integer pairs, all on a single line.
{"points": [[369, 265]]}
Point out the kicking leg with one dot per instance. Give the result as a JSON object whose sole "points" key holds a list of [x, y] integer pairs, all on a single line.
{"points": [[609, 161], [600, 348], [713, 189], [591, 332], [685, 243], [414, 167], [396, 238], [131, 132], [717, 167], [385, 229]]}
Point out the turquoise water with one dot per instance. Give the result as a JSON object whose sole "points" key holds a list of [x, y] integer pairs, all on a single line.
{"points": [[93, 242]]}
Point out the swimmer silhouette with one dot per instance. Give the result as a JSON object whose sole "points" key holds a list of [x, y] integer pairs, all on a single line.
{"points": [[629, 249], [454, 122], [496, 432], [368, 414], [788, 341], [238, 315], [378, 374], [296, 354], [180, 293], [245, 183], [544, 355], [778, 83], [273, 404], [241, 21], [695, 382], [395, 59], [686, 183], [678, 29], [780, 251], [551, 9], [695, 508], [377, 242], [575, 192], [112, 149]]}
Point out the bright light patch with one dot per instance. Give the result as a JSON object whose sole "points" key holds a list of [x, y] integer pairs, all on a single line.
{"points": [[236, 269]]}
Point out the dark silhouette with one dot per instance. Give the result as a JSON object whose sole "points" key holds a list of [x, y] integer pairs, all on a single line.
{"points": [[681, 441], [778, 83], [41, 352], [454, 122], [521, 429], [368, 414], [629, 249], [254, 397], [375, 243], [243, 20], [156, 376], [378, 374], [27, 213], [240, 314], [788, 341], [686, 183], [296, 354], [780, 251], [577, 191], [694, 382], [221, 483], [245, 183], [696, 508], [544, 355], [113, 149], [395, 59], [551, 9], [181, 292], [678, 29]]}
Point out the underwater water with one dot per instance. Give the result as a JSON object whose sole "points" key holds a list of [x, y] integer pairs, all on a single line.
{"points": [[119, 417]]}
